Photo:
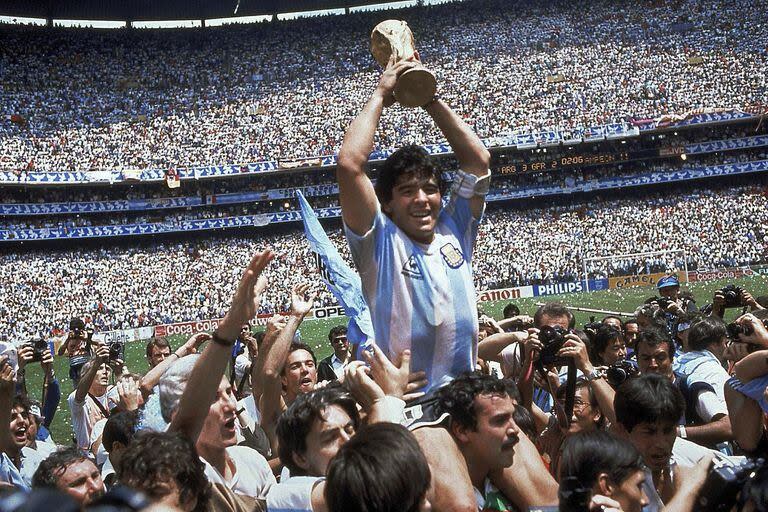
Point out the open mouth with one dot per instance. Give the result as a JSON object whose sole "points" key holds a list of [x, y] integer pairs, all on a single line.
{"points": [[230, 424], [20, 434]]}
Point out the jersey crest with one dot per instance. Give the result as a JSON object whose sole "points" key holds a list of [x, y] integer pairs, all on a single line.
{"points": [[452, 255]]}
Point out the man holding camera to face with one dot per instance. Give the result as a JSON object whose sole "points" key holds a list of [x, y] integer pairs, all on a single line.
{"points": [[93, 397], [77, 347]]}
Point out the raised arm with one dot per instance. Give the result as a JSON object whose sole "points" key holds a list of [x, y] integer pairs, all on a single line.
{"points": [[469, 150], [270, 404], [84, 384], [356, 193], [6, 398], [150, 380], [206, 376], [490, 348]]}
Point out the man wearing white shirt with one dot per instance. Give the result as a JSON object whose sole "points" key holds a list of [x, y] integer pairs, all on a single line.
{"points": [[93, 398]]}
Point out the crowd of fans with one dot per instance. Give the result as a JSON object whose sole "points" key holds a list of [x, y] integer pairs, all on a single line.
{"points": [[629, 415], [120, 288], [281, 90], [434, 405]]}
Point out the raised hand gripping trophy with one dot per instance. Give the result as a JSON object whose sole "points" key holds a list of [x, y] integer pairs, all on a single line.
{"points": [[415, 87]]}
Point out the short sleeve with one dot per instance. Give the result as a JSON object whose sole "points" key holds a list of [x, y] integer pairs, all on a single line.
{"points": [[363, 247]]}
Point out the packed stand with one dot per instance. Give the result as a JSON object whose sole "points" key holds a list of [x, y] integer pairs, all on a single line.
{"points": [[225, 95]]}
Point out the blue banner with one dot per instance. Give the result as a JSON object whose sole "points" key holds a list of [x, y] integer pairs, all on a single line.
{"points": [[541, 290], [341, 280]]}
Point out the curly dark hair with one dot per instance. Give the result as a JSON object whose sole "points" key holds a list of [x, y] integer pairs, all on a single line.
{"points": [[458, 397], [337, 330], [50, 470], [407, 162], [155, 458], [295, 423]]}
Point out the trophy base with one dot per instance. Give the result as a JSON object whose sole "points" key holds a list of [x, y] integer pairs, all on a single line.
{"points": [[415, 87]]}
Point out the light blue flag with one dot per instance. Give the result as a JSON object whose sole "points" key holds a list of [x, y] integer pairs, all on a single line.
{"points": [[341, 280]]}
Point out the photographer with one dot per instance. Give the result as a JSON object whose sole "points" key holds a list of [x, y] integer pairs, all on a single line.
{"points": [[609, 345], [77, 347], [243, 364], [51, 394], [745, 394], [93, 397], [732, 296]]}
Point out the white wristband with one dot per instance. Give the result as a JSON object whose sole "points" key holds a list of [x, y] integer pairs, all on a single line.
{"points": [[468, 185], [683, 434], [391, 408]]}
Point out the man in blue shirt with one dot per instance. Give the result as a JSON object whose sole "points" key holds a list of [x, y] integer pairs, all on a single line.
{"points": [[414, 258]]}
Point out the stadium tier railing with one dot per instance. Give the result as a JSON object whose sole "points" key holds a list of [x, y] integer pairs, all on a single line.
{"points": [[136, 205], [520, 141], [17, 235]]}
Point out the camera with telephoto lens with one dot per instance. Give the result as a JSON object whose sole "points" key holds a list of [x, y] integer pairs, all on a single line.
{"points": [[592, 327], [39, 346], [552, 339], [723, 484], [732, 295], [620, 371]]}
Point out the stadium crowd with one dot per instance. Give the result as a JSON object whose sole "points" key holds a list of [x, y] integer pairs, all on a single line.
{"points": [[426, 404], [223, 95], [192, 280]]}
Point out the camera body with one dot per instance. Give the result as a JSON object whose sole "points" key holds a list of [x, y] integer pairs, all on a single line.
{"points": [[664, 302], [552, 339], [116, 351], [39, 346], [723, 484], [620, 371], [732, 295]]}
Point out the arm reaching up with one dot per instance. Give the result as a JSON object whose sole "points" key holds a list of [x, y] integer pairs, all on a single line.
{"points": [[206, 376]]}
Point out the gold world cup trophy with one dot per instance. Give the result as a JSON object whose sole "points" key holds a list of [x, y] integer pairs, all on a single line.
{"points": [[415, 87]]}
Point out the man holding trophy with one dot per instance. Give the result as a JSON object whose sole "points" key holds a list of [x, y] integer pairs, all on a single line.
{"points": [[414, 256]]}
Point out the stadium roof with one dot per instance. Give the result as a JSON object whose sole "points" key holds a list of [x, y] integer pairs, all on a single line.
{"points": [[166, 9]]}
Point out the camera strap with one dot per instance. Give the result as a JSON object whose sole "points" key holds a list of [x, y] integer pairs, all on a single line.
{"points": [[564, 413], [101, 407]]}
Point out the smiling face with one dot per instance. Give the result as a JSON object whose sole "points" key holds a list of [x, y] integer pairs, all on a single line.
{"points": [[219, 430], [615, 350], [585, 415], [415, 207]]}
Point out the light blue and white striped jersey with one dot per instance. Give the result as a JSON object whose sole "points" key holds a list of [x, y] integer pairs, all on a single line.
{"points": [[422, 297]]}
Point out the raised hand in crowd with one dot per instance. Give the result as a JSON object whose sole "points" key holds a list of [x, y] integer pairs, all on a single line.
{"points": [[152, 377], [204, 381], [129, 393]]}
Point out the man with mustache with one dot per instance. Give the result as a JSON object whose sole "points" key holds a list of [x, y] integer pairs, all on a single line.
{"points": [[482, 425]]}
